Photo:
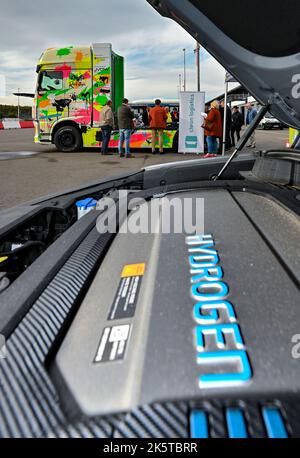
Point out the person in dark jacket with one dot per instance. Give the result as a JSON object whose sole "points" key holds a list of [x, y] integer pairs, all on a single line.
{"points": [[125, 121], [237, 123], [145, 117], [175, 115], [228, 125]]}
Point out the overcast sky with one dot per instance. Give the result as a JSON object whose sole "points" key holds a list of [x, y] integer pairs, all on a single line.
{"points": [[152, 45]]}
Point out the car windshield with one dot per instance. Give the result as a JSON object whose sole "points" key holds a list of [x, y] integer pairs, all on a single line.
{"points": [[55, 92]]}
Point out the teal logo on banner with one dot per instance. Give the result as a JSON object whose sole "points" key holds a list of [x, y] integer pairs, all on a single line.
{"points": [[191, 142]]}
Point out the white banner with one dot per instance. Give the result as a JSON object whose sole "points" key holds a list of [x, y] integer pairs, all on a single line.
{"points": [[191, 134]]}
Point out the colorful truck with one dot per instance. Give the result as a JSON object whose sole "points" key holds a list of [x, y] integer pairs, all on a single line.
{"points": [[73, 85]]}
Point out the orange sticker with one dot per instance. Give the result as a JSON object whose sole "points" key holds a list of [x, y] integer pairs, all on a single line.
{"points": [[134, 270]]}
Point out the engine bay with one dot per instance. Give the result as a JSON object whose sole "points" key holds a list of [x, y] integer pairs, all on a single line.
{"points": [[134, 335]]}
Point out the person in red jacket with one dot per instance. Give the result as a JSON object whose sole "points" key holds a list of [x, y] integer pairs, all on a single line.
{"points": [[213, 128], [158, 123]]}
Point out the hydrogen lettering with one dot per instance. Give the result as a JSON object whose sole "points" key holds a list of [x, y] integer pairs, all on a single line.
{"points": [[221, 351]]}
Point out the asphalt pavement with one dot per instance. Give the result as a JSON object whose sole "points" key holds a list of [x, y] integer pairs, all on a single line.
{"points": [[28, 171]]}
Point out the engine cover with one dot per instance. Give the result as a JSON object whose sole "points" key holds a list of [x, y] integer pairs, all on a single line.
{"points": [[172, 318]]}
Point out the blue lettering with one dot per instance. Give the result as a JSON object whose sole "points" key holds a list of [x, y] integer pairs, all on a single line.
{"points": [[216, 320], [202, 291], [200, 240], [208, 261], [219, 332], [208, 274], [224, 359], [203, 249], [212, 313]]}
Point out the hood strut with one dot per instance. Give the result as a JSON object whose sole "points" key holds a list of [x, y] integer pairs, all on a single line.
{"points": [[242, 142]]}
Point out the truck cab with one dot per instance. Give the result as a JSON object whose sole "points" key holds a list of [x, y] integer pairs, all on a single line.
{"points": [[73, 85]]}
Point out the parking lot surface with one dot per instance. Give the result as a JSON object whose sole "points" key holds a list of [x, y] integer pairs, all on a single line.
{"points": [[29, 171]]}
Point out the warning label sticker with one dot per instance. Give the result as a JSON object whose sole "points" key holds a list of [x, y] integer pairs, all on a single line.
{"points": [[134, 270], [125, 301], [113, 344]]}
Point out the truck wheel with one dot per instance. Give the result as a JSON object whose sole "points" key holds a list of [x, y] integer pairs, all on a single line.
{"points": [[68, 139]]}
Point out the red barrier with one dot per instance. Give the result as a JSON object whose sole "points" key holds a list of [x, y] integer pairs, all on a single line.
{"points": [[26, 124], [16, 125]]}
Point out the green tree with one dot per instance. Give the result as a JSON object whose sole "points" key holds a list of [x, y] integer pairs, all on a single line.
{"points": [[11, 111]]}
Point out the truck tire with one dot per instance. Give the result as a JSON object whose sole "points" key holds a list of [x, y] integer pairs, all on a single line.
{"points": [[68, 139]]}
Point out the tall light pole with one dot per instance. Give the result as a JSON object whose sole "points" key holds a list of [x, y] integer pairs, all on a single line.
{"points": [[184, 68], [197, 52], [180, 82]]}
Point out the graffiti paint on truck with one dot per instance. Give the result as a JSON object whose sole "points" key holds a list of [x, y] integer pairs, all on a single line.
{"points": [[74, 83], [140, 139]]}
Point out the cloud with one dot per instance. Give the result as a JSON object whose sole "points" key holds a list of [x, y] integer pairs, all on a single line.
{"points": [[152, 45]]}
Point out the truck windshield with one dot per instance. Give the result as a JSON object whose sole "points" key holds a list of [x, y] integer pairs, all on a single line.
{"points": [[51, 81]]}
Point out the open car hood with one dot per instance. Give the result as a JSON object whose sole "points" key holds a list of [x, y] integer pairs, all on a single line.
{"points": [[258, 42]]}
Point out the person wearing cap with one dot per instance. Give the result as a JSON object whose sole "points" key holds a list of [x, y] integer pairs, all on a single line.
{"points": [[107, 125], [158, 123]]}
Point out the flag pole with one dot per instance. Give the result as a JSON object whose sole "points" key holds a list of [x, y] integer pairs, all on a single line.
{"points": [[197, 52], [225, 117]]}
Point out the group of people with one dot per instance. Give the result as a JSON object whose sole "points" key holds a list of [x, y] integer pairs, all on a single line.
{"points": [[157, 118], [214, 122], [143, 120]]}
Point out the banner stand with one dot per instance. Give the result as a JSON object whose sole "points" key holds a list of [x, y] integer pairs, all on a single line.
{"points": [[191, 134]]}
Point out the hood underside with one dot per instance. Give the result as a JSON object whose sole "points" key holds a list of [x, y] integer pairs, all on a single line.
{"points": [[257, 42]]}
